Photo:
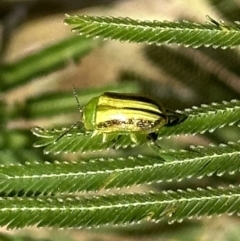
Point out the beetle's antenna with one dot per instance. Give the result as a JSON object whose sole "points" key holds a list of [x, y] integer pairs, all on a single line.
{"points": [[80, 110], [66, 131], [76, 97]]}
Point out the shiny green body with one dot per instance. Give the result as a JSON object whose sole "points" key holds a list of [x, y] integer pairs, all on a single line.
{"points": [[124, 113]]}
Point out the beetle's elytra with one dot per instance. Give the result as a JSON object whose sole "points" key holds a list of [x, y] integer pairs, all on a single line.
{"points": [[127, 113], [123, 112]]}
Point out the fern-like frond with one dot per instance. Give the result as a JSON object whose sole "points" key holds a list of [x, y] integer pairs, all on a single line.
{"points": [[206, 118], [155, 32], [118, 209], [78, 139], [200, 120], [106, 173]]}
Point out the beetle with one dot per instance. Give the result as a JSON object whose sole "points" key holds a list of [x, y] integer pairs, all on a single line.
{"points": [[123, 114]]}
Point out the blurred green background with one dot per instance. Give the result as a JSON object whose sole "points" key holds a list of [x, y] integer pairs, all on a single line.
{"points": [[41, 59]]}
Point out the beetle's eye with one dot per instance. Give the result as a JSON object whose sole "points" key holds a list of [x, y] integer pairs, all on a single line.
{"points": [[174, 118]]}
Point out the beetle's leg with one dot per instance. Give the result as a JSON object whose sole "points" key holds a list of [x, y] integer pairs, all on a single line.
{"points": [[94, 133], [152, 136], [154, 146], [139, 138], [110, 137], [152, 143], [105, 137], [134, 138], [174, 118]]}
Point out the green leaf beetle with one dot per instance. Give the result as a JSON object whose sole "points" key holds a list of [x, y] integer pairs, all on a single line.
{"points": [[125, 114]]}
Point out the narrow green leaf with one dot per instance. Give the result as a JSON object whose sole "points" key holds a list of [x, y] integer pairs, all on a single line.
{"points": [[155, 32], [118, 209], [44, 61], [200, 120], [106, 173], [71, 140], [206, 118]]}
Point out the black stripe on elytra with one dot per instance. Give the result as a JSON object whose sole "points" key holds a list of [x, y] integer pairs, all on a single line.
{"points": [[130, 97], [146, 110]]}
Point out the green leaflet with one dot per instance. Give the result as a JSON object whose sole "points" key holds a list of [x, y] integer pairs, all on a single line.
{"points": [[200, 120], [206, 118], [118, 209], [156, 32], [105, 173]]}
